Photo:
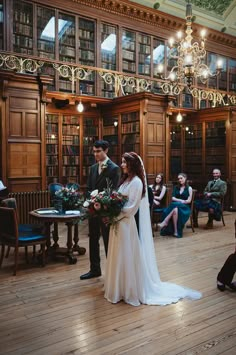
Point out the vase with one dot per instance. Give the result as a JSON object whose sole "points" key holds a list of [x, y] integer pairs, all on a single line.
{"points": [[58, 205]]}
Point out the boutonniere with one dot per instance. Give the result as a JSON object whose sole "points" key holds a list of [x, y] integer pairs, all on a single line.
{"points": [[104, 166]]}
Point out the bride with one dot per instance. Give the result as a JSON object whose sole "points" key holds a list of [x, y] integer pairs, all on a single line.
{"points": [[131, 269]]}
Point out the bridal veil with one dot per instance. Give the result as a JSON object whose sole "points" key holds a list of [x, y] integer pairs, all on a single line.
{"points": [[155, 291]]}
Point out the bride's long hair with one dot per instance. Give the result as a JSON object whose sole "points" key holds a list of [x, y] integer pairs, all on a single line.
{"points": [[135, 168]]}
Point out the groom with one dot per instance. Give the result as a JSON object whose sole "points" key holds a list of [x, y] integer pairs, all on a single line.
{"points": [[99, 173]]}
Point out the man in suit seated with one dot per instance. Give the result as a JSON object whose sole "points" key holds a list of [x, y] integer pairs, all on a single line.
{"points": [[211, 203]]}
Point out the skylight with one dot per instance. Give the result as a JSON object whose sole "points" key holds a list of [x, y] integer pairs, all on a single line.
{"points": [[49, 30], [109, 44]]}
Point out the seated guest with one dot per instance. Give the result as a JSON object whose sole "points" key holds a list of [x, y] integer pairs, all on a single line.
{"points": [[159, 191], [211, 203], [178, 212]]}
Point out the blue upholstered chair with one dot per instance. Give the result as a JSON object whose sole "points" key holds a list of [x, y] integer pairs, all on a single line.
{"points": [[22, 228], [11, 237]]}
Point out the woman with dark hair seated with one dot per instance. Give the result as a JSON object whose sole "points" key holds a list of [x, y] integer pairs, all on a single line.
{"points": [[159, 191], [178, 212]]}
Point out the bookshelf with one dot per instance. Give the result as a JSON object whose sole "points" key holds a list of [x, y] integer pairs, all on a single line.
{"points": [[128, 55], [176, 150], [45, 37], [232, 75], [144, 54], [187, 99], [22, 39], [52, 148], [87, 54], [110, 134], [215, 146], [193, 150], [158, 55], [130, 132], [70, 149], [108, 55], [1, 24], [67, 51], [90, 135]]}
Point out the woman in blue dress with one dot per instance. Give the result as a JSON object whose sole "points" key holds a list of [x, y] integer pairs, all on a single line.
{"points": [[178, 212]]}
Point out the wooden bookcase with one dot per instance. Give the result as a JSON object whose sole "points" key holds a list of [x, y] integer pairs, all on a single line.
{"points": [[110, 133], [130, 132], [108, 55], [69, 152], [52, 148], [23, 27], [1, 24]]}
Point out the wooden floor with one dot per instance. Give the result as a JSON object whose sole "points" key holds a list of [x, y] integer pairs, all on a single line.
{"points": [[50, 311]]}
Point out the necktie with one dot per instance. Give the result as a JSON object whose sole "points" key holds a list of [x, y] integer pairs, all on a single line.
{"points": [[213, 183]]}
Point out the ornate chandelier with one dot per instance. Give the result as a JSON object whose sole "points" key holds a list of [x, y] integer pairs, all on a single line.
{"points": [[190, 58]]}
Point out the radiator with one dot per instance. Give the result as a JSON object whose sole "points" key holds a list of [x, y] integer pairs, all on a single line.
{"points": [[29, 201]]}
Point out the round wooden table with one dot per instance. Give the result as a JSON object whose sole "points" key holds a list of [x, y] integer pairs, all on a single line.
{"points": [[70, 220]]}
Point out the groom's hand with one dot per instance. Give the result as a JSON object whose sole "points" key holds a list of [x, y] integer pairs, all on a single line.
{"points": [[106, 221]]}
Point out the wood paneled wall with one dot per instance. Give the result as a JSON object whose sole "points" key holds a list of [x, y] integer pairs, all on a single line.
{"points": [[22, 131]]}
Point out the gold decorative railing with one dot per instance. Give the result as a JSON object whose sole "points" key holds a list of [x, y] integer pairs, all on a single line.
{"points": [[120, 81]]}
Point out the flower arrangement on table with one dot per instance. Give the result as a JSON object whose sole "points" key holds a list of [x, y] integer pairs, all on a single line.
{"points": [[107, 203], [70, 198]]}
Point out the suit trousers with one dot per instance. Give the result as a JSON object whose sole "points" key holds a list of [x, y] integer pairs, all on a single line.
{"points": [[96, 229], [228, 270]]}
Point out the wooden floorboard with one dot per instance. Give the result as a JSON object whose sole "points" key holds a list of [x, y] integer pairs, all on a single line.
{"points": [[51, 311]]}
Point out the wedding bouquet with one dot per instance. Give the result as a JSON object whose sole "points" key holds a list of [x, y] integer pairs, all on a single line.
{"points": [[70, 198], [107, 203]]}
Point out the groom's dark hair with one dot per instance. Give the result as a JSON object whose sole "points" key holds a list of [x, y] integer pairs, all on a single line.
{"points": [[101, 144]]}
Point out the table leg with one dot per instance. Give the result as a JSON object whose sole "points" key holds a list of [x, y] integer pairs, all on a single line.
{"points": [[70, 256], [76, 247], [55, 235]]}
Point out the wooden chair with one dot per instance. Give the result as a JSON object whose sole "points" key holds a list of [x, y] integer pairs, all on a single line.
{"points": [[192, 207], [22, 228], [10, 236], [156, 212], [222, 210]]}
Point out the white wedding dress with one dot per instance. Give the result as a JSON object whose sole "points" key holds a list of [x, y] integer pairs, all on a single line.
{"points": [[131, 269]]}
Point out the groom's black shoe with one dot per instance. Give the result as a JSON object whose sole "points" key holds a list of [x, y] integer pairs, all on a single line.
{"points": [[90, 275]]}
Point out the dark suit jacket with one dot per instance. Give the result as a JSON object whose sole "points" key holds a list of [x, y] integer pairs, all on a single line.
{"points": [[217, 189], [96, 181]]}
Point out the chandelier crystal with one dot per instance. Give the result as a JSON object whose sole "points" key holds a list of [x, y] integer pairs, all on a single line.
{"points": [[190, 57]]}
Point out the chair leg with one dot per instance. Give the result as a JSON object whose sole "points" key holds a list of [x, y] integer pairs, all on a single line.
{"points": [[223, 221], [26, 255], [16, 261], [8, 252], [43, 254], [2, 254], [192, 226]]}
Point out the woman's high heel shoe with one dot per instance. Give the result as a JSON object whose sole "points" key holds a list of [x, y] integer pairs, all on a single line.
{"points": [[162, 225]]}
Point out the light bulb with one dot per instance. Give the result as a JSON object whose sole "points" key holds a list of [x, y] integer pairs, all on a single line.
{"points": [[203, 33], [160, 68], [179, 117], [53, 136], [172, 76], [171, 41], [115, 123], [219, 64], [179, 34], [80, 107]]}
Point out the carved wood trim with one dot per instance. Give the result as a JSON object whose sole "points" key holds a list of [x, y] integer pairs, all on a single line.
{"points": [[154, 17]]}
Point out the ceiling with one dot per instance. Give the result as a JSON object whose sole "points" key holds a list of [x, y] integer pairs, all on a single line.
{"points": [[217, 14]]}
